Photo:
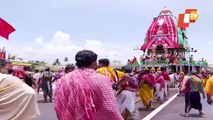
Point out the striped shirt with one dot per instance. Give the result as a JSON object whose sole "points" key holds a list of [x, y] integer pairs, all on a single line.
{"points": [[85, 94], [195, 84]]}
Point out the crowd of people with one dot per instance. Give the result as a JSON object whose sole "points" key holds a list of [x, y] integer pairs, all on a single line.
{"points": [[92, 90], [111, 89], [191, 85], [41, 79], [18, 101], [171, 58]]}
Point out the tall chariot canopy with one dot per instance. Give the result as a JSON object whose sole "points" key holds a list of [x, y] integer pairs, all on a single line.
{"points": [[163, 31]]}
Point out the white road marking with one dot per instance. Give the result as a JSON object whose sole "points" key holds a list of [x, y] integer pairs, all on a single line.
{"points": [[153, 113]]}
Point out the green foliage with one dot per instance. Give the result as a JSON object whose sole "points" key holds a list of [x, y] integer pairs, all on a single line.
{"points": [[37, 64], [57, 62]]}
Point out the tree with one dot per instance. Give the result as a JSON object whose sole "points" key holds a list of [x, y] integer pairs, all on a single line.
{"points": [[36, 64], [13, 57], [57, 62], [66, 59]]}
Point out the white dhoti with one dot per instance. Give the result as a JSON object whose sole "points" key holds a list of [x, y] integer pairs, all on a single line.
{"points": [[159, 94], [166, 85], [125, 100], [17, 100]]}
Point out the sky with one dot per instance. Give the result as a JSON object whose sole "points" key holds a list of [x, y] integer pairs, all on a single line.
{"points": [[50, 29]]}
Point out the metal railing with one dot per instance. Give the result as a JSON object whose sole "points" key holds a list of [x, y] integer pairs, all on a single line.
{"points": [[181, 62]]}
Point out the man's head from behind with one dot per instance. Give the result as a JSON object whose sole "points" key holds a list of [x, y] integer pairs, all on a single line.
{"points": [[127, 69], [47, 69], [86, 59], [163, 69], [103, 62], [194, 72], [69, 68], [36, 71], [3, 66]]}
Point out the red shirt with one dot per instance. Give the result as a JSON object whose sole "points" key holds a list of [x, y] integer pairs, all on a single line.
{"points": [[166, 76], [160, 80], [187, 84], [187, 87]]}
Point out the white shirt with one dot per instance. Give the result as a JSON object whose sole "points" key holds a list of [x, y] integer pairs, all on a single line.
{"points": [[37, 76]]}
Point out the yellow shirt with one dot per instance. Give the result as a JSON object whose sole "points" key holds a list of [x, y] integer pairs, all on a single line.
{"points": [[109, 72], [209, 86], [204, 80]]}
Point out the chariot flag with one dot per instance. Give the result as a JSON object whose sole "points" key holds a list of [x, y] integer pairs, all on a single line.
{"points": [[5, 29]]}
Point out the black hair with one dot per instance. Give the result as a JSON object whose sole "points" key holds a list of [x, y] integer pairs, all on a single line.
{"points": [[145, 71], [104, 61], [3, 63], [69, 67], [194, 72], [163, 68], [47, 69], [127, 69], [36, 71], [25, 68], [85, 58], [10, 71]]}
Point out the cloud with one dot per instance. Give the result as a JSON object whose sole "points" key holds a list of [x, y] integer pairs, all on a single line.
{"points": [[61, 46], [100, 48], [28, 49], [39, 40]]}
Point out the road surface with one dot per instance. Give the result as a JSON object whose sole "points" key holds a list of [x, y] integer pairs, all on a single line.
{"points": [[173, 111]]}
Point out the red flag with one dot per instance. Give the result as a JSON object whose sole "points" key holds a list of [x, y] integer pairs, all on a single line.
{"points": [[135, 59], [132, 61], [5, 29], [3, 54]]}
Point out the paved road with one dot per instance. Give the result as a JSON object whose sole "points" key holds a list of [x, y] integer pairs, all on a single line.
{"points": [[142, 114], [46, 109], [48, 113], [175, 111]]}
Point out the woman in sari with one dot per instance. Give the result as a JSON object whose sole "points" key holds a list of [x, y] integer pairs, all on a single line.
{"points": [[146, 91]]}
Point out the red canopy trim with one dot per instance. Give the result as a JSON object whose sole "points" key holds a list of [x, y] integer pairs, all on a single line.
{"points": [[160, 34], [159, 40]]}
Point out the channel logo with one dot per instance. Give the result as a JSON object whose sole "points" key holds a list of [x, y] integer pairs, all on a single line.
{"points": [[190, 16]]}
